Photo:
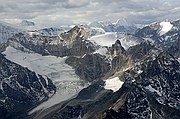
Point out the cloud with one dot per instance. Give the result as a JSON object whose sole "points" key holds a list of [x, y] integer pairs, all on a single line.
{"points": [[58, 12], [75, 3]]}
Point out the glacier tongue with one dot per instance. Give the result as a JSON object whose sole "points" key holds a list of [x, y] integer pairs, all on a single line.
{"points": [[51, 66], [67, 82]]}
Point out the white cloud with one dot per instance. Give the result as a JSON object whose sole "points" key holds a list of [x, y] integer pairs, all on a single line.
{"points": [[58, 12]]}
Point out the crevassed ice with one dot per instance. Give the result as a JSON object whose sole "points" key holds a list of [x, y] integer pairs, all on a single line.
{"points": [[67, 82]]}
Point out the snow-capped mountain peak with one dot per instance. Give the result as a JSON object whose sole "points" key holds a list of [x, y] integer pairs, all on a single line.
{"points": [[121, 22]]}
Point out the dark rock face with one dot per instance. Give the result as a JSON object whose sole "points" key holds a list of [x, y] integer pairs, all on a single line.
{"points": [[117, 48], [154, 90], [93, 67], [88, 102], [153, 31], [27, 23], [3, 47], [118, 53], [137, 52], [70, 112], [68, 43], [175, 49], [21, 89], [148, 31]]}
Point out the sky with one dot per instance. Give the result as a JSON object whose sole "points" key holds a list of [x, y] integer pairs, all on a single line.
{"points": [[66, 12]]}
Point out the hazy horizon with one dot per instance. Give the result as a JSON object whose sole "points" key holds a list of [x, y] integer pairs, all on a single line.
{"points": [[66, 12]]}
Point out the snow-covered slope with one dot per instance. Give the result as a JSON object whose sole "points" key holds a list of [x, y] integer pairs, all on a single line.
{"points": [[162, 33], [110, 38], [7, 31], [166, 26], [121, 25], [106, 39], [63, 75]]}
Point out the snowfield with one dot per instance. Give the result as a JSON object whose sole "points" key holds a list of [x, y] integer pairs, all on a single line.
{"points": [[113, 84], [110, 38], [106, 39], [67, 82], [166, 26]]}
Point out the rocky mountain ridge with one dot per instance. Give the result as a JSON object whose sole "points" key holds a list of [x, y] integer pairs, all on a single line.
{"points": [[147, 70]]}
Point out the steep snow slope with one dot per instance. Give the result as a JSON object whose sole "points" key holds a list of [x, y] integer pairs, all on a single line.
{"points": [[166, 26], [64, 77], [106, 39]]}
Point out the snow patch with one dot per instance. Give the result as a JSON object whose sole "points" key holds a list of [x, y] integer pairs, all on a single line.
{"points": [[166, 26], [102, 51], [179, 59], [113, 84], [151, 89], [139, 71]]}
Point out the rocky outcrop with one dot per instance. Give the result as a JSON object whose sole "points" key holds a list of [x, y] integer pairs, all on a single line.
{"points": [[139, 51], [153, 32], [73, 42], [27, 23], [154, 93], [93, 67], [175, 49], [21, 89]]}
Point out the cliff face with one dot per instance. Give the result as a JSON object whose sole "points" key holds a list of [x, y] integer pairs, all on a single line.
{"points": [[154, 90], [93, 67]]}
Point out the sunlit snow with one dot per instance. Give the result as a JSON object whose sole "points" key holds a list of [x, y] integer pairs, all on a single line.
{"points": [[113, 84], [151, 89], [166, 26], [106, 39], [110, 38]]}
